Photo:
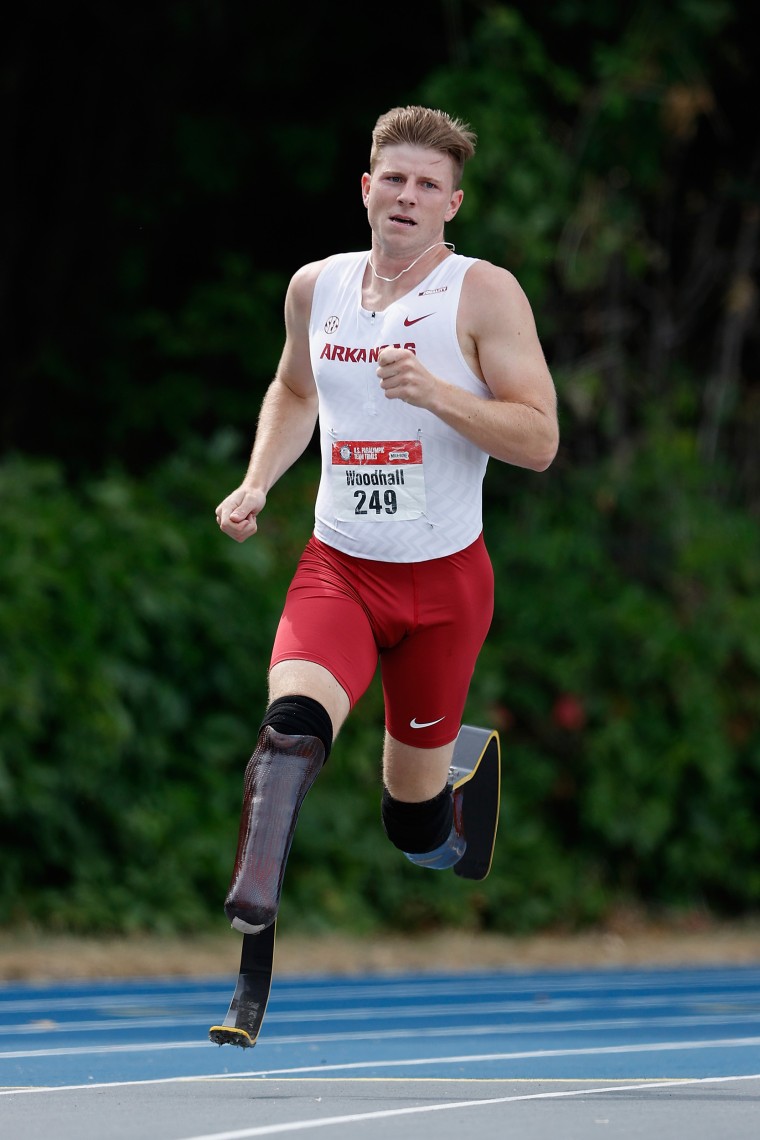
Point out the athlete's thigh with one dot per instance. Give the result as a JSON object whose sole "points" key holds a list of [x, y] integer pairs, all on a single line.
{"points": [[415, 774], [426, 677], [324, 622]]}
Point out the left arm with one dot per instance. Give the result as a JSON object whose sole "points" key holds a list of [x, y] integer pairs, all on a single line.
{"points": [[497, 334]]}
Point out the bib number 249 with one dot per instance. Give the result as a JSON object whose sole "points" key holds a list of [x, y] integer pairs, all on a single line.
{"points": [[387, 504]]}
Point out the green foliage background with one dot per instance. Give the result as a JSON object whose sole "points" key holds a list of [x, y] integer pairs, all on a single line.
{"points": [[615, 177], [135, 646]]}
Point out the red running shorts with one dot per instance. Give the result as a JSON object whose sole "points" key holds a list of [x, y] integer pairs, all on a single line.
{"points": [[424, 621]]}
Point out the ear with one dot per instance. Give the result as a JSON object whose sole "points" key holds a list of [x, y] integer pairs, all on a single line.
{"points": [[454, 204], [366, 179]]}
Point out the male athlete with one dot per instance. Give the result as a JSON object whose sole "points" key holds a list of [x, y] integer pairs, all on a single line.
{"points": [[418, 364]]}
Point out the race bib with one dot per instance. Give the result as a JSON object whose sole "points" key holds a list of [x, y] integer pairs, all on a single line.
{"points": [[378, 480]]}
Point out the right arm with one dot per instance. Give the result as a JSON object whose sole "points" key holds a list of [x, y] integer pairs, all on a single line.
{"points": [[287, 417]]}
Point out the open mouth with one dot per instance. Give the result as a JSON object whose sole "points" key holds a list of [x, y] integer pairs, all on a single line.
{"points": [[404, 221]]}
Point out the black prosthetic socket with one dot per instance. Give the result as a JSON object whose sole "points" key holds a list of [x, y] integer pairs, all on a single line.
{"points": [[282, 769], [418, 828], [300, 716]]}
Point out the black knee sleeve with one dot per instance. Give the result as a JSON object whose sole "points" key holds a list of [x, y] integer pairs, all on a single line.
{"points": [[300, 716], [417, 828]]}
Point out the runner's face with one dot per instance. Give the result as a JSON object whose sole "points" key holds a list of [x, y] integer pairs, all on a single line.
{"points": [[409, 197]]}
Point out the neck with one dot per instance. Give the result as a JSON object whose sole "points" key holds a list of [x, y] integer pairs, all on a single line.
{"points": [[411, 265]]}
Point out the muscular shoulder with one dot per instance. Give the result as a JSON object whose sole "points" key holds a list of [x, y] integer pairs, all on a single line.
{"points": [[301, 288], [294, 369], [491, 294], [498, 336]]}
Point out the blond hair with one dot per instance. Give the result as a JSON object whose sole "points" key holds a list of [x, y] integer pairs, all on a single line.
{"points": [[425, 127]]}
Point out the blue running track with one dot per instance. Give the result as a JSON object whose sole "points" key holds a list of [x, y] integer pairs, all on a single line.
{"points": [[645, 1053]]}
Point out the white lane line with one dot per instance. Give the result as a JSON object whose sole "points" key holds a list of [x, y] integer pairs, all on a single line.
{"points": [[384, 1114], [512, 1029], [677, 985], [462, 1059], [386, 1012], [525, 1055]]}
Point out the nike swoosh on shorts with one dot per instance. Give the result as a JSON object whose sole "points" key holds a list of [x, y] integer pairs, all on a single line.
{"points": [[413, 723]]}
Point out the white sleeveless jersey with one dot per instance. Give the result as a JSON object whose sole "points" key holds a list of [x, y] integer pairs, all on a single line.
{"points": [[397, 483]]}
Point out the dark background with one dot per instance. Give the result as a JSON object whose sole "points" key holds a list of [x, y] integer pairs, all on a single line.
{"points": [[145, 144]]}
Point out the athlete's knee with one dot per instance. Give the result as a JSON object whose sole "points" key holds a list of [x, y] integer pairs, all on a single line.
{"points": [[299, 716], [417, 827]]}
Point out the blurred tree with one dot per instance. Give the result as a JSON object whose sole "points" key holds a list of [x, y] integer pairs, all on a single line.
{"points": [[618, 178]]}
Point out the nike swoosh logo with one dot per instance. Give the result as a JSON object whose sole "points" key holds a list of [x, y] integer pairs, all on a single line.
{"points": [[413, 321], [413, 723]]}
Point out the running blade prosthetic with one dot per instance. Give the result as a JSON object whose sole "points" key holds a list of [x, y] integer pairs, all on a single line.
{"points": [[243, 1022], [475, 776]]}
